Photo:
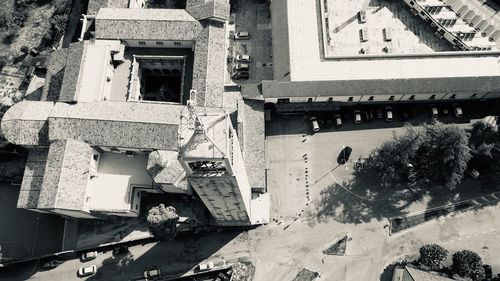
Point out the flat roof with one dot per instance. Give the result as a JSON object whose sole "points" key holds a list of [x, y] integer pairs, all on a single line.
{"points": [[306, 62]]}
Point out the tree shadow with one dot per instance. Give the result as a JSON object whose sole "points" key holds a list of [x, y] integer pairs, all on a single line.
{"points": [[361, 200]]}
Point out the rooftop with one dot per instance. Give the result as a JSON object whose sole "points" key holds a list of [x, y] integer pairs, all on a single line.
{"points": [[66, 175], [298, 56], [146, 24], [32, 178], [164, 167], [117, 124], [253, 142]]}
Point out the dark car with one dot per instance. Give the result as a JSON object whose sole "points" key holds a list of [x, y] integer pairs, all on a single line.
{"points": [[488, 273], [120, 250], [51, 264], [344, 155], [240, 75]]}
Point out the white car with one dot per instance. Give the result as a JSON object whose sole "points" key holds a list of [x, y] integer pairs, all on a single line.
{"points": [[89, 256], [204, 267], [457, 110], [155, 272], [87, 270], [388, 113], [314, 124], [242, 35], [357, 116], [243, 58]]}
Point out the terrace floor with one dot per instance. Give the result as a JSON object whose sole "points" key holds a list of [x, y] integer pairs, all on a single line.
{"points": [[409, 33]]}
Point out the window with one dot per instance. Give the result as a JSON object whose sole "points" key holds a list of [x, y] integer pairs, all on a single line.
{"points": [[159, 43], [142, 43], [432, 97], [412, 3], [96, 157], [177, 43], [371, 98], [309, 99], [412, 97], [350, 99], [473, 95], [453, 96], [286, 100], [391, 98], [330, 99]]}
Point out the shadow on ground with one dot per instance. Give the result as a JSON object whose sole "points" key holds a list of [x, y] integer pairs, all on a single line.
{"points": [[362, 199], [174, 258]]}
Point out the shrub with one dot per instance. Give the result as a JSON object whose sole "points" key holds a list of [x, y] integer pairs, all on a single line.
{"points": [[468, 264], [432, 256], [163, 221]]}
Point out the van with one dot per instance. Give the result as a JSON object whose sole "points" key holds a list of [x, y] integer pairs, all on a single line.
{"points": [[387, 34], [314, 124], [363, 33], [362, 16]]}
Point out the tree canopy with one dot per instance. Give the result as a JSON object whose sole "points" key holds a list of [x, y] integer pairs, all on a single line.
{"points": [[468, 264], [432, 256], [163, 221], [439, 154]]}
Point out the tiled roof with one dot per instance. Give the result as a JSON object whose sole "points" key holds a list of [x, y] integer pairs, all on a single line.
{"points": [[117, 124], [32, 178], [72, 72], [94, 6], [209, 62], [25, 123], [146, 24], [254, 142], [66, 175], [201, 10], [55, 74], [164, 167], [273, 89], [63, 71], [420, 275]]}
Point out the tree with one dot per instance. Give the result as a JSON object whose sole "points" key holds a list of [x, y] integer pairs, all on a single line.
{"points": [[468, 264], [163, 221], [390, 160], [432, 256], [443, 155]]}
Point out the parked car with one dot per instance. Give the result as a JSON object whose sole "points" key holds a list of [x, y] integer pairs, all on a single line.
{"points": [[87, 270], [314, 124], [434, 111], [242, 35], [154, 272], [243, 58], [51, 264], [488, 273], [457, 110], [344, 155], [204, 267], [338, 120], [241, 66], [388, 113], [473, 173], [240, 75], [89, 256], [357, 116], [380, 114]]}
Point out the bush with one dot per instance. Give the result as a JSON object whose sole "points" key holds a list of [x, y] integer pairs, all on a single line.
{"points": [[432, 256], [468, 264], [163, 221], [10, 37]]}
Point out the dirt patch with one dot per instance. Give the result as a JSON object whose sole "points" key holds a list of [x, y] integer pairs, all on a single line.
{"points": [[306, 275], [338, 247], [243, 270]]}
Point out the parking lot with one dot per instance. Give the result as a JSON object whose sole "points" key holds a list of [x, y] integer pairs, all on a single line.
{"points": [[254, 17], [409, 34], [302, 164]]}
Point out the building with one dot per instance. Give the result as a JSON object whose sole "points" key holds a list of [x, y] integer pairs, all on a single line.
{"points": [[139, 108], [408, 273], [306, 70]]}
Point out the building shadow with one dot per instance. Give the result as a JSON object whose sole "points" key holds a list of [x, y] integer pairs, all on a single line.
{"points": [[174, 258]]}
